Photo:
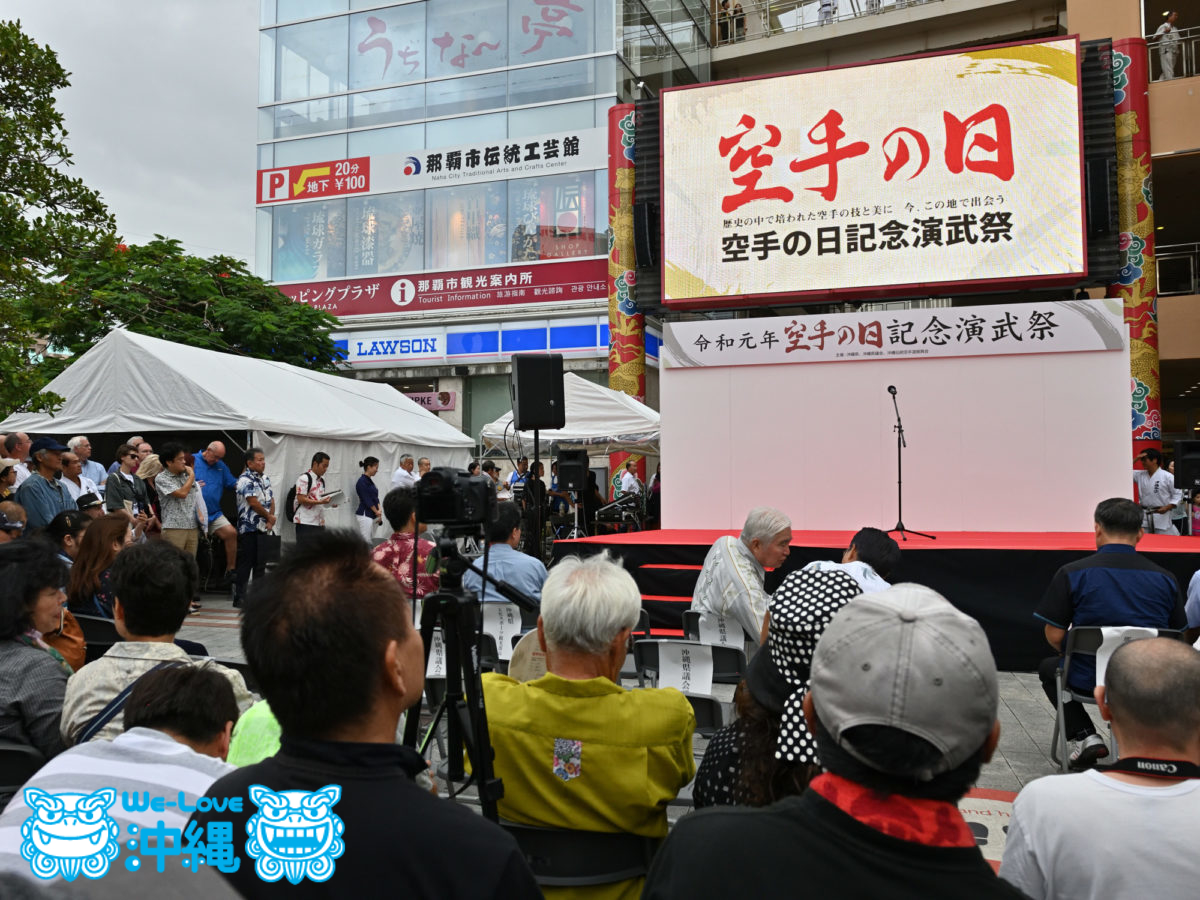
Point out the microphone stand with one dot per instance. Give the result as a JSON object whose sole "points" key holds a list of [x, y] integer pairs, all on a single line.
{"points": [[900, 445]]}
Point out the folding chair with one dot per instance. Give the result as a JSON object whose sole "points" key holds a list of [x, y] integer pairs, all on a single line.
{"points": [[99, 634], [18, 763], [691, 630], [641, 631], [729, 663], [691, 625], [710, 714], [561, 857], [1086, 639]]}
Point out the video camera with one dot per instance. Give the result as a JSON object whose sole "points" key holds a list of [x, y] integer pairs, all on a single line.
{"points": [[451, 497]]}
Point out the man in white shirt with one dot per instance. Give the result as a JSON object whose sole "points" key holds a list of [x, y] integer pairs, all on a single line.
{"points": [[82, 448], [310, 498], [1128, 830], [77, 484], [177, 725], [16, 446], [403, 476], [629, 480], [870, 560], [731, 582], [1156, 493]]}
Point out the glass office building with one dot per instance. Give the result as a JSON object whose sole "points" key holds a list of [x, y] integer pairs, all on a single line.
{"points": [[453, 142]]}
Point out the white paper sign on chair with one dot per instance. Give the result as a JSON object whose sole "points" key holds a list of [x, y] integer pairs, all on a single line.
{"points": [[1114, 637], [502, 621], [688, 667], [436, 667], [721, 631]]}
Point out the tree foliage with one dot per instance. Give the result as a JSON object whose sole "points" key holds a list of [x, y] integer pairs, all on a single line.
{"points": [[48, 220], [159, 290]]}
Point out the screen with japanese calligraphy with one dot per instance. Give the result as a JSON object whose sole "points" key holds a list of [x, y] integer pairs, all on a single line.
{"points": [[912, 176]]}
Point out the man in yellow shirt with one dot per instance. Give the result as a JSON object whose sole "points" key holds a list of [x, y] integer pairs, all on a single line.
{"points": [[575, 749]]}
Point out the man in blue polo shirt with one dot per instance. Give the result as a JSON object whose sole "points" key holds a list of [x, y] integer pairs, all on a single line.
{"points": [[505, 562], [1114, 586], [215, 479]]}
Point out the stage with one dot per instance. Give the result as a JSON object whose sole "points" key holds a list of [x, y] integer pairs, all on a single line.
{"points": [[997, 577]]}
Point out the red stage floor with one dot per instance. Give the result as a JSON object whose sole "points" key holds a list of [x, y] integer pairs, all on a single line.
{"points": [[946, 540]]}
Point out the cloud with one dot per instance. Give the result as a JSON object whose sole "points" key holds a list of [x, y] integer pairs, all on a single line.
{"points": [[161, 111]]}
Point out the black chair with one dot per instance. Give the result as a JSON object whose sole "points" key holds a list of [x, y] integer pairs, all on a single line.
{"points": [[18, 763], [641, 632], [691, 625], [561, 857], [99, 634], [1085, 639], [238, 666], [710, 714], [729, 663]]}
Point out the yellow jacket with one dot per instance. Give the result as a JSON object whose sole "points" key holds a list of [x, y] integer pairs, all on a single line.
{"points": [[589, 755]]}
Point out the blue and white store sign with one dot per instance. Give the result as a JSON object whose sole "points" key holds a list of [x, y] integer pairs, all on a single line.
{"points": [[579, 337]]}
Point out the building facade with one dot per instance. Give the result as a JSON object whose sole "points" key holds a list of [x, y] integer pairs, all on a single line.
{"points": [[435, 174]]}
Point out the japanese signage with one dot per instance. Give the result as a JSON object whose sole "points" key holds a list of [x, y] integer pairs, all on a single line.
{"points": [[1053, 327], [567, 151], [315, 180], [892, 178], [498, 286], [435, 400]]}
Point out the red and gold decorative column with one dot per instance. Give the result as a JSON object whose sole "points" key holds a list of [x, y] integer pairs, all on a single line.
{"points": [[626, 324], [1137, 282]]}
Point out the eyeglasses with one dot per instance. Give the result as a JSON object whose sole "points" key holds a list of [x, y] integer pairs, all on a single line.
{"points": [[131, 455]]}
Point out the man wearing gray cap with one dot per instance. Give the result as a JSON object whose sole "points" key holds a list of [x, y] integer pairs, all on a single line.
{"points": [[902, 704]]}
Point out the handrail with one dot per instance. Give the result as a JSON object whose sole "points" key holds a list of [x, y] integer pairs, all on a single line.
{"points": [[1174, 58], [768, 18]]}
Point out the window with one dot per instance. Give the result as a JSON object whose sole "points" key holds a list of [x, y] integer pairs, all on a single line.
{"points": [[463, 95], [310, 150], [310, 117], [466, 36], [309, 241], [466, 225], [311, 59], [387, 46], [402, 104], [550, 29], [378, 141], [561, 81], [552, 217], [387, 233], [467, 130], [291, 10], [545, 119]]}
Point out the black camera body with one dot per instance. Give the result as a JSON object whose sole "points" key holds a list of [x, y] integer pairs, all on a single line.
{"points": [[448, 496]]}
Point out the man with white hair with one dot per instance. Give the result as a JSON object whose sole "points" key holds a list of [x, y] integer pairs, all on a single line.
{"points": [[82, 448], [575, 749], [731, 583], [403, 476]]}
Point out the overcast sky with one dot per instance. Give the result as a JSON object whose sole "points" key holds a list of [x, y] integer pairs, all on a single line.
{"points": [[160, 113]]}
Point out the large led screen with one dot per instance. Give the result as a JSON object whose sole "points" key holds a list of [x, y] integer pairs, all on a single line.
{"points": [[936, 174]]}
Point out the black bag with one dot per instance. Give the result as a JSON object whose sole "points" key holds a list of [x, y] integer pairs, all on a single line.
{"points": [[289, 502]]}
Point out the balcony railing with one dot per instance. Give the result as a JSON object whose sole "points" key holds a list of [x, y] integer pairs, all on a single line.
{"points": [[1178, 269], [744, 20], [1170, 59]]}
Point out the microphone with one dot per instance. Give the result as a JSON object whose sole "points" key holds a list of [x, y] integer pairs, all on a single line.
{"points": [[892, 389]]}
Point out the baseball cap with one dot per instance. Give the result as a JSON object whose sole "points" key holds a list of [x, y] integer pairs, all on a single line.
{"points": [[88, 500], [906, 659], [47, 443]]}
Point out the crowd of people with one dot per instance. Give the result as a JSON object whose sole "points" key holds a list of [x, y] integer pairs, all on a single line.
{"points": [[867, 710]]}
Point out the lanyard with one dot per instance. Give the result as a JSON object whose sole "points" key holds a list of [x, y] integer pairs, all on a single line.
{"points": [[1156, 768]]}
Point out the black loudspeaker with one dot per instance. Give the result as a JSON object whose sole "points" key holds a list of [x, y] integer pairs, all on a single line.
{"points": [[1187, 466], [645, 235], [572, 470], [537, 391]]}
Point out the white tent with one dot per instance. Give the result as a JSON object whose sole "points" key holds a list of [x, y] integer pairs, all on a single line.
{"points": [[129, 383], [599, 419]]}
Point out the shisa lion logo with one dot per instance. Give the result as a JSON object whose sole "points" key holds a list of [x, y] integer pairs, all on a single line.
{"points": [[69, 833], [295, 834]]}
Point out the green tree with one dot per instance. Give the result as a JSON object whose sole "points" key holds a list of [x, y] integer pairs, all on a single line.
{"points": [[159, 290], [48, 220]]}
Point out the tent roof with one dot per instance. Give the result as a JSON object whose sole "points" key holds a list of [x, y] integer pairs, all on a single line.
{"points": [[130, 382], [597, 417]]}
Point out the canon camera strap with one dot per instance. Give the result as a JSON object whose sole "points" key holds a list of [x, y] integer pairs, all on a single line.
{"points": [[1155, 768]]}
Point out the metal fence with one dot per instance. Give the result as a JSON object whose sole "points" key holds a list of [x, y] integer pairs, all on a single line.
{"points": [[1170, 59], [743, 20]]}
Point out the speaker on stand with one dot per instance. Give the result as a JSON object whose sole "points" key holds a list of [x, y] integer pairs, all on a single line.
{"points": [[537, 402]]}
